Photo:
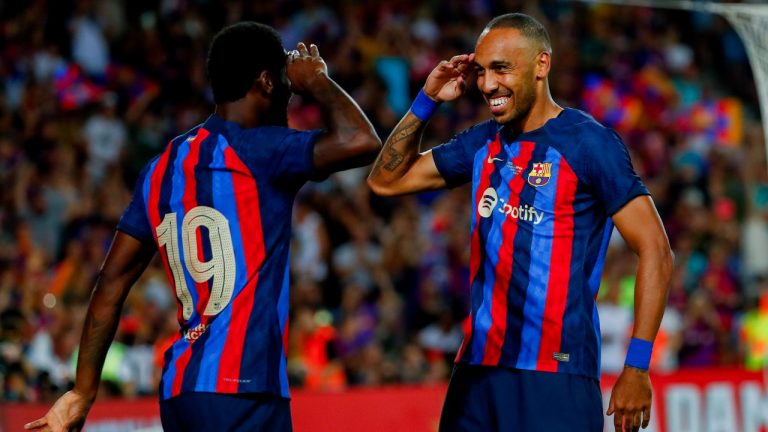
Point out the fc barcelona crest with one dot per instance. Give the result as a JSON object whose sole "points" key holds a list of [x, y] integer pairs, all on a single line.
{"points": [[540, 174]]}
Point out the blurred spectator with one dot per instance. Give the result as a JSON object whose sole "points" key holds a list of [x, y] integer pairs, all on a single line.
{"points": [[703, 334], [105, 136], [754, 331], [615, 324]]}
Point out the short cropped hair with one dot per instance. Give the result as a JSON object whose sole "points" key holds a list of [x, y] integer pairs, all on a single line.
{"points": [[237, 56], [525, 24]]}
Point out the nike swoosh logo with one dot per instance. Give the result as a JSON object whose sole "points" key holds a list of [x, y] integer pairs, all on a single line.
{"points": [[493, 159]]}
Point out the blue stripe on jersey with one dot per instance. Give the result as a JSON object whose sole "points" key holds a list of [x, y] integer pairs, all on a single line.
{"points": [[538, 272], [177, 206], [202, 198], [521, 263], [596, 324], [482, 286], [222, 194], [282, 315], [496, 236], [176, 350]]}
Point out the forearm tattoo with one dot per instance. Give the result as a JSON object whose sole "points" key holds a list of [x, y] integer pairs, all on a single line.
{"points": [[396, 158]]}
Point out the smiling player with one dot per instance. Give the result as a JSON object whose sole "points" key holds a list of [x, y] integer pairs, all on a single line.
{"points": [[548, 186]]}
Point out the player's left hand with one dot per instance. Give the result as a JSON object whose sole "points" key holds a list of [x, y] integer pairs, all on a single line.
{"points": [[631, 400], [304, 66], [66, 415]]}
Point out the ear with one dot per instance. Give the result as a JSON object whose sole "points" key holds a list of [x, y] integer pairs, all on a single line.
{"points": [[265, 83], [542, 64]]}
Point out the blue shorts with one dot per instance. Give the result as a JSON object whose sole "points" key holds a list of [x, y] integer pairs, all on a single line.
{"points": [[483, 398], [226, 412]]}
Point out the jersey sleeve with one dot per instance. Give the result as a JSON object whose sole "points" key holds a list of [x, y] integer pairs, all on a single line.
{"points": [[292, 155], [454, 159], [609, 171], [134, 221]]}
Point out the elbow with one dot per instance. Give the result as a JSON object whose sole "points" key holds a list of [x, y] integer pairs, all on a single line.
{"points": [[380, 189], [362, 147], [368, 145], [665, 259]]}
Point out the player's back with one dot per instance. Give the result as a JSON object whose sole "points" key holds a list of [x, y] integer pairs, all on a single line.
{"points": [[217, 202]]}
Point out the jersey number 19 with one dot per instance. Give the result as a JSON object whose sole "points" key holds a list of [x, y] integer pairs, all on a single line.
{"points": [[221, 267]]}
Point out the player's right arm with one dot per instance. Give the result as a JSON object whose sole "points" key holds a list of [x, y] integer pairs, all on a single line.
{"points": [[349, 139], [125, 261], [401, 167]]}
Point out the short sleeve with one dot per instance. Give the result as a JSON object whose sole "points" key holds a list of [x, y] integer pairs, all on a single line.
{"points": [[292, 155], [454, 159], [609, 171], [134, 221]]}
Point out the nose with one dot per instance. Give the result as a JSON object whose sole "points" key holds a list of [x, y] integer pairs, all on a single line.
{"points": [[488, 82]]}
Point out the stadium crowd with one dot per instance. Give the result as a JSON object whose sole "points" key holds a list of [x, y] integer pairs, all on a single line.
{"points": [[92, 89]]}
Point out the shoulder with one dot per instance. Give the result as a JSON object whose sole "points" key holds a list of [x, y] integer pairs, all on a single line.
{"points": [[474, 137], [275, 134], [585, 130], [583, 140], [483, 130]]}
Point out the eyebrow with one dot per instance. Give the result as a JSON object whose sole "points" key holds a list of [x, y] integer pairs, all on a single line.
{"points": [[495, 64]]}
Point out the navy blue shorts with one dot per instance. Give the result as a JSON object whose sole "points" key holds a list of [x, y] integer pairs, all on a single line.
{"points": [[482, 398], [226, 412]]}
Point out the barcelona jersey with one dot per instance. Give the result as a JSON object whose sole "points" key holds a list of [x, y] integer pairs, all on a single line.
{"points": [[217, 204], [542, 202]]}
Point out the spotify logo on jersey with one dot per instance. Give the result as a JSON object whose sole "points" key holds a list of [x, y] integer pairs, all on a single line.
{"points": [[487, 202]]}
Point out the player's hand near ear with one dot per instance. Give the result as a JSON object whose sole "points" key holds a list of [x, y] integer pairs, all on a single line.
{"points": [[304, 67]]}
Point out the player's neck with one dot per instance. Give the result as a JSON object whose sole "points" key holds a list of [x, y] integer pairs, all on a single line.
{"points": [[247, 114], [236, 112], [539, 115]]}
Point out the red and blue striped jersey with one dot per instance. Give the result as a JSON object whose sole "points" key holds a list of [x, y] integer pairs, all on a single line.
{"points": [[217, 203], [542, 203]]}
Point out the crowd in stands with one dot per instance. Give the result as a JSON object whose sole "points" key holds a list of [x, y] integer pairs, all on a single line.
{"points": [[91, 90]]}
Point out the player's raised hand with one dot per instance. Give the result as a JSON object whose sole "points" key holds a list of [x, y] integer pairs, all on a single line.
{"points": [[67, 414], [630, 402], [448, 80], [304, 66]]}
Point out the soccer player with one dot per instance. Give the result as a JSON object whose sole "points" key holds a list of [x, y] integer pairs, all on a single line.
{"points": [[548, 186], [216, 204]]}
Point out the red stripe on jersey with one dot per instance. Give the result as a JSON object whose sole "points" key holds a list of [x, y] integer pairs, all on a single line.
{"points": [[181, 366], [498, 329], [246, 195], [153, 209], [475, 257], [560, 268], [189, 200]]}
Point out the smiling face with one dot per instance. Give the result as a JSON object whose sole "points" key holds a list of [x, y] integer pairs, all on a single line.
{"points": [[508, 75]]}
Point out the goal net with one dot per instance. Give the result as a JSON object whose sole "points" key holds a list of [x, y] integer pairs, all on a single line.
{"points": [[751, 23]]}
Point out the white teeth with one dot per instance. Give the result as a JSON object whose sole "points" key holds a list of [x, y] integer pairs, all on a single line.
{"points": [[499, 101]]}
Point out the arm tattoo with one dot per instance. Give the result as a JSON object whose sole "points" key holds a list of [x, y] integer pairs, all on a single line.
{"points": [[396, 158], [405, 131]]}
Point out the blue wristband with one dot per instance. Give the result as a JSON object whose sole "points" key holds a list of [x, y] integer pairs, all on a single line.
{"points": [[423, 107], [639, 354]]}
